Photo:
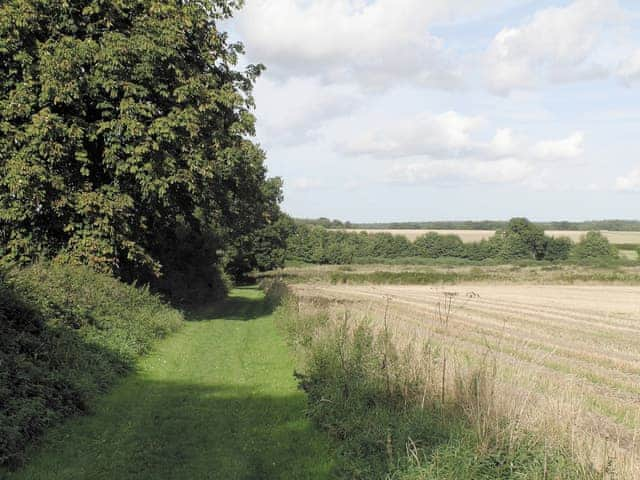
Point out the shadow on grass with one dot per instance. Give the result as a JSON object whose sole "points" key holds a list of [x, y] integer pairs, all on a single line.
{"points": [[159, 429], [186, 431], [243, 304]]}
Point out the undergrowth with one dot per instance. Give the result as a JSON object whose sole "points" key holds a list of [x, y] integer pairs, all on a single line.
{"points": [[66, 334], [389, 422], [430, 277], [425, 277]]}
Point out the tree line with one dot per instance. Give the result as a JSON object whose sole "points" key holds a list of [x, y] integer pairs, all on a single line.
{"points": [[586, 226], [519, 240]]}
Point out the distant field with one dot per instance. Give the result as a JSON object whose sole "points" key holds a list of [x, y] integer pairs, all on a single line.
{"points": [[469, 236]]}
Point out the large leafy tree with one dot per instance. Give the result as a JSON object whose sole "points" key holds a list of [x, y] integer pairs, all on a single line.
{"points": [[263, 248], [522, 239], [125, 128]]}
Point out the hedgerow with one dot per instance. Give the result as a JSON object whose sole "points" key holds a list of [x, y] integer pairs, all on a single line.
{"points": [[519, 241], [66, 334]]}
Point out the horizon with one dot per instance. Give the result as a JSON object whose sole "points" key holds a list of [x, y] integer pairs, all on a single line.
{"points": [[454, 220]]}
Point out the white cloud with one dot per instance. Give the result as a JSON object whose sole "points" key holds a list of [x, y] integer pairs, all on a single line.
{"points": [[426, 133], [629, 69], [375, 42], [505, 143], [629, 182], [452, 135], [449, 147], [571, 147], [305, 183], [291, 110], [507, 170], [558, 45], [342, 76]]}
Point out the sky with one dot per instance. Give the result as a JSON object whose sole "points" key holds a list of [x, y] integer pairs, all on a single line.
{"points": [[408, 110]]}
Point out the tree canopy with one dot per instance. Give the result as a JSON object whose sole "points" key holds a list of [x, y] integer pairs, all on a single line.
{"points": [[125, 130]]}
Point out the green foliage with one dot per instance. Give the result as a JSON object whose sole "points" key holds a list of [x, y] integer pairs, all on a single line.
{"points": [[594, 245], [124, 124], [592, 225], [66, 334], [485, 249], [322, 222], [191, 270], [315, 244], [520, 240], [557, 249], [264, 248], [433, 245], [425, 277]]}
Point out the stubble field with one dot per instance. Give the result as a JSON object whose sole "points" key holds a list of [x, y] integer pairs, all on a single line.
{"points": [[468, 236], [565, 357]]}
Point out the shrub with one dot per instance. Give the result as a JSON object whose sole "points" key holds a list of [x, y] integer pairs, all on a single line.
{"points": [[519, 240], [593, 245], [433, 245], [557, 248], [66, 334]]}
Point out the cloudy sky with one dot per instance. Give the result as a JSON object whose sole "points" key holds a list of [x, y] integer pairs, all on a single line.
{"points": [[381, 110]]}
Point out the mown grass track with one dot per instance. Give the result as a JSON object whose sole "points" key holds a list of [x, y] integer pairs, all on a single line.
{"points": [[215, 401]]}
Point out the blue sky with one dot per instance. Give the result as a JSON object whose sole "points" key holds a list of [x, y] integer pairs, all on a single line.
{"points": [[391, 110]]}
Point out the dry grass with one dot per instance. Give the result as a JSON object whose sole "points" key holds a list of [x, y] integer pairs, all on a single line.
{"points": [[469, 236], [562, 361]]}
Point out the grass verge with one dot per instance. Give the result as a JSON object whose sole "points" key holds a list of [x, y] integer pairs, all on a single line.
{"points": [[216, 400], [66, 335], [392, 418]]}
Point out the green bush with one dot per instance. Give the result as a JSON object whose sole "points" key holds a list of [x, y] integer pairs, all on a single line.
{"points": [[519, 240], [313, 244], [594, 245], [557, 249], [66, 334], [433, 245], [426, 277]]}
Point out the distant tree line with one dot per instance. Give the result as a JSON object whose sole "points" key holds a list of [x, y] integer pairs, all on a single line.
{"points": [[325, 222], [592, 225], [519, 240]]}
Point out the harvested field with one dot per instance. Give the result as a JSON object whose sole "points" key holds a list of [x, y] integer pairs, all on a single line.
{"points": [[566, 357], [469, 236]]}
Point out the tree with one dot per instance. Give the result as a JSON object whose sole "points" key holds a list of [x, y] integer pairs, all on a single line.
{"points": [[434, 245], [557, 248], [264, 248], [523, 239], [593, 245], [124, 129]]}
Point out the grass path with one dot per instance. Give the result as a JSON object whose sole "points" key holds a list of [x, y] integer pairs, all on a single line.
{"points": [[215, 401]]}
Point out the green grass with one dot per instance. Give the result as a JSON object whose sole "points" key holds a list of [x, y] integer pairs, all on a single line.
{"points": [[67, 334], [426, 277], [217, 400]]}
